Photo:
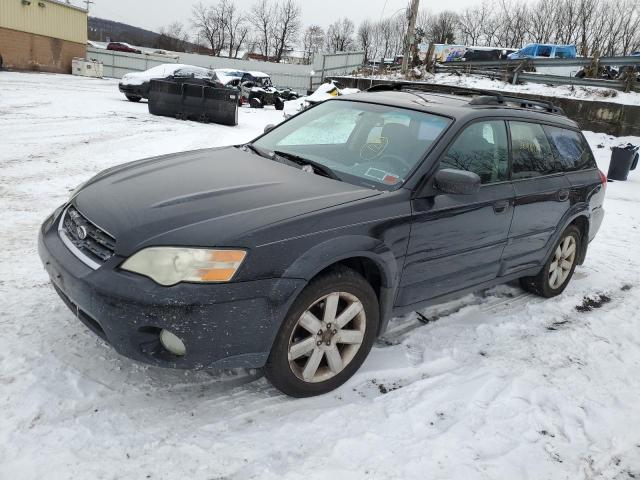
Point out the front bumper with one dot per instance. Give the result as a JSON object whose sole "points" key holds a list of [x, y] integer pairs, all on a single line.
{"points": [[222, 325], [135, 90]]}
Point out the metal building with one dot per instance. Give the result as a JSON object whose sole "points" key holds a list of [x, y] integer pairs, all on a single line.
{"points": [[41, 35]]}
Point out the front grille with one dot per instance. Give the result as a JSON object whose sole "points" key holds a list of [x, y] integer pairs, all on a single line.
{"points": [[88, 239]]}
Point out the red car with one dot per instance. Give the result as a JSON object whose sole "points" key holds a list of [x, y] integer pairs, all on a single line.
{"points": [[122, 47]]}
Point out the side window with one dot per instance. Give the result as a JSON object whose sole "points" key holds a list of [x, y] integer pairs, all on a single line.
{"points": [[531, 152], [482, 149], [544, 50], [570, 149]]}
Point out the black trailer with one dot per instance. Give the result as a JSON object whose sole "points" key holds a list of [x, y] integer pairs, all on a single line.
{"points": [[194, 99]]}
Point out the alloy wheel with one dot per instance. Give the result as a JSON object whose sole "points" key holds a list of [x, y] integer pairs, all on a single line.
{"points": [[562, 263], [327, 337]]}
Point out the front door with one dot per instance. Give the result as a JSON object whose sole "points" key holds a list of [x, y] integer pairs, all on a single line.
{"points": [[457, 240]]}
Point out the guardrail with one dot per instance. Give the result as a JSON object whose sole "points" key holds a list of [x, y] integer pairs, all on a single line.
{"points": [[549, 62], [514, 70]]}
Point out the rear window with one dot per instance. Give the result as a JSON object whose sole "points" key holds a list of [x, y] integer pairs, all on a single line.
{"points": [[570, 149]]}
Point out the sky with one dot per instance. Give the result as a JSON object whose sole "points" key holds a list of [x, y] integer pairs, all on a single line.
{"points": [[152, 14]]}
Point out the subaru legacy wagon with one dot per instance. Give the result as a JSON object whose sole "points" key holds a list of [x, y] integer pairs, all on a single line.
{"points": [[292, 252]]}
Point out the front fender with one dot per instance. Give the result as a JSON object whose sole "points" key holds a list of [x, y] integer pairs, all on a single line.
{"points": [[334, 250]]}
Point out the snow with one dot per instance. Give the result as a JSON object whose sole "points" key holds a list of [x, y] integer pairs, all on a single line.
{"points": [[160, 71], [595, 94], [499, 385]]}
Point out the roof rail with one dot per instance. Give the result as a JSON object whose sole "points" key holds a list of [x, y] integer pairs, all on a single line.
{"points": [[483, 97], [499, 99]]}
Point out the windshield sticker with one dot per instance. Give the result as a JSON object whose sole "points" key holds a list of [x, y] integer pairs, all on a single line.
{"points": [[375, 173], [390, 179]]}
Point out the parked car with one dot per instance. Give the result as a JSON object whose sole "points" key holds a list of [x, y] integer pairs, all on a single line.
{"points": [[135, 86], [122, 47], [539, 50], [486, 53], [293, 251], [257, 90]]}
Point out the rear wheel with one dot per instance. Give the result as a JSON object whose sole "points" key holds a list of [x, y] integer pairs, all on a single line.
{"points": [[255, 103], [326, 335], [133, 98], [279, 103], [557, 272]]}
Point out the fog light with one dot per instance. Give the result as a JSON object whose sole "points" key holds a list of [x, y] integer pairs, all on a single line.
{"points": [[172, 343]]}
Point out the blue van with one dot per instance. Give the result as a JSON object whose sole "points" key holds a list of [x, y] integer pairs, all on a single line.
{"points": [[541, 50]]}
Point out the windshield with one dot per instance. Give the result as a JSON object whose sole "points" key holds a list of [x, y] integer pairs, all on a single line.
{"points": [[363, 143]]}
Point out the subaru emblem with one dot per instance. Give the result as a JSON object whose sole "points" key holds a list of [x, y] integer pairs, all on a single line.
{"points": [[82, 233]]}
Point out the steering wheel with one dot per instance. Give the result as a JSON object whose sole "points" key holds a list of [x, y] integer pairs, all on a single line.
{"points": [[393, 158], [371, 151]]}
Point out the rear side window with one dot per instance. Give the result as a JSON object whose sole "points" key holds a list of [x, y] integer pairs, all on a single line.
{"points": [[570, 149], [531, 152], [482, 149]]}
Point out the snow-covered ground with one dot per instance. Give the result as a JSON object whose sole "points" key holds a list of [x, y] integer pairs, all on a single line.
{"points": [[594, 94], [500, 385]]}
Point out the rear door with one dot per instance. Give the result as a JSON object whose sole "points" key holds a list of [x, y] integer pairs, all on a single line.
{"points": [[542, 193], [457, 240]]}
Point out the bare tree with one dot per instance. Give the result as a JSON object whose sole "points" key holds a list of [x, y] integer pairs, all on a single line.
{"points": [[312, 41], [261, 16], [287, 26], [442, 28], [236, 27], [340, 35], [366, 40], [206, 20], [173, 37], [471, 21]]}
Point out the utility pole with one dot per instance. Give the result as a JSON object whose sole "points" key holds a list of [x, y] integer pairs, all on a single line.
{"points": [[411, 31], [87, 3]]}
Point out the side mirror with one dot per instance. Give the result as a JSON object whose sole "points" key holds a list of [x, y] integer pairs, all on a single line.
{"points": [[269, 127], [458, 182]]}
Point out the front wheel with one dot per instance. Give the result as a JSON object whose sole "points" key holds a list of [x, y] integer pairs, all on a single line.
{"points": [[133, 98], [326, 335], [557, 272]]}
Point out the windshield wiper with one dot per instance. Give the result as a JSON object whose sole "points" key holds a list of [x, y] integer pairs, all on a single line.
{"points": [[256, 150], [317, 167]]}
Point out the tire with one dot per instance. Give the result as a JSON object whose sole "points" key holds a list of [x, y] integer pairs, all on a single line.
{"points": [[545, 284], [133, 98], [347, 290], [279, 103], [255, 103]]}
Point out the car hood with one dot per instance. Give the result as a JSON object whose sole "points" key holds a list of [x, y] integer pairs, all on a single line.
{"points": [[213, 197]]}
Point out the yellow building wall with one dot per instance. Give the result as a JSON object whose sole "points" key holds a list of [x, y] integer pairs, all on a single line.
{"points": [[45, 17]]}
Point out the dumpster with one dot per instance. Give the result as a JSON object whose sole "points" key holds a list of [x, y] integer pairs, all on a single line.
{"points": [[623, 159], [194, 100]]}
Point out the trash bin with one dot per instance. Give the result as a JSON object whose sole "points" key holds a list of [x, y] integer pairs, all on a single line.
{"points": [[623, 159]]}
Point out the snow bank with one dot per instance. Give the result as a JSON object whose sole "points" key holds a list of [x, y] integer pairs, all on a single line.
{"points": [[499, 385]]}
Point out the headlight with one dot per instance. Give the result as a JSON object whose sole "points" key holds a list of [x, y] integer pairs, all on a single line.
{"points": [[171, 265]]}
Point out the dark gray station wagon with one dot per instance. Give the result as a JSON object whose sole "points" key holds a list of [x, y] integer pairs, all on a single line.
{"points": [[292, 252]]}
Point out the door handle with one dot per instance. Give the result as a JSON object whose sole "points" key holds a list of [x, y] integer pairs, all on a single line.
{"points": [[500, 207], [563, 195]]}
